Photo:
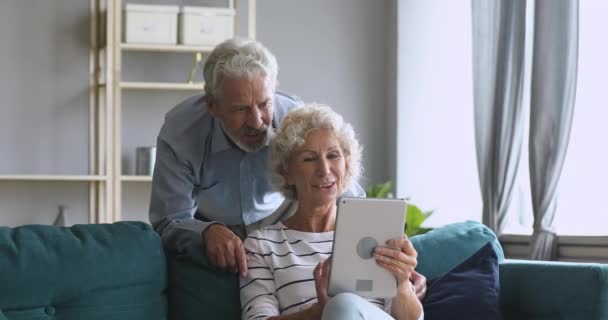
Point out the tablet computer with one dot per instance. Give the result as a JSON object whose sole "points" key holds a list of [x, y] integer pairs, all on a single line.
{"points": [[361, 225]]}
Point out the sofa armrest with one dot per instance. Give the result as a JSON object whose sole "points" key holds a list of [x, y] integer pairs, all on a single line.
{"points": [[553, 290]]}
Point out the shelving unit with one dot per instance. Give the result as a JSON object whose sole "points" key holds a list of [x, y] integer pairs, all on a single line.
{"points": [[134, 178], [48, 177], [104, 179], [109, 94], [163, 48], [160, 86]]}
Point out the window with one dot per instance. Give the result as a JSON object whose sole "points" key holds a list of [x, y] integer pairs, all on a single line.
{"points": [[436, 159], [583, 184]]}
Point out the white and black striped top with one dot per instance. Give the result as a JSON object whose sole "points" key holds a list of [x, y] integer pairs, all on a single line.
{"points": [[281, 262]]}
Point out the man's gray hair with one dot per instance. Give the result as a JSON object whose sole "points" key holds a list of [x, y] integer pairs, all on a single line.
{"points": [[239, 58], [295, 126]]}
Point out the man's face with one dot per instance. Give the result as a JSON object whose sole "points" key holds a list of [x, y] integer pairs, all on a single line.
{"points": [[244, 108]]}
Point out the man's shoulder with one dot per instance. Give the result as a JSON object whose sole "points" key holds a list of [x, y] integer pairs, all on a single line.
{"points": [[285, 102], [189, 109], [185, 127], [185, 118]]}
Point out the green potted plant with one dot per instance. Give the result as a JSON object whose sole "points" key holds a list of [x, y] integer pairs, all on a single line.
{"points": [[414, 217]]}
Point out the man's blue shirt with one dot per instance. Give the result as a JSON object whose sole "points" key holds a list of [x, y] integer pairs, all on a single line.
{"points": [[200, 177]]}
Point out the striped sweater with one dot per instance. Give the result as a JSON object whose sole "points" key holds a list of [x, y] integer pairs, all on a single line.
{"points": [[280, 276]]}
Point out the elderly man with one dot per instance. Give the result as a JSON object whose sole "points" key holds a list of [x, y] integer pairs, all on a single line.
{"points": [[211, 181]]}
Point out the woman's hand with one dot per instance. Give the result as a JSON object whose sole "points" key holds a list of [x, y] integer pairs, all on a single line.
{"points": [[321, 275], [399, 258]]}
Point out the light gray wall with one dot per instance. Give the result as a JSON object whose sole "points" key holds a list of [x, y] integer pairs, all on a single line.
{"points": [[334, 52], [44, 68], [44, 105], [329, 51]]}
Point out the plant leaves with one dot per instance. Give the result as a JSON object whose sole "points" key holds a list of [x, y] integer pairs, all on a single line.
{"points": [[380, 190], [414, 217], [385, 189]]}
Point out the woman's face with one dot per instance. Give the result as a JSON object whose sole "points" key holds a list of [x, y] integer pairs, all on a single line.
{"points": [[317, 168]]}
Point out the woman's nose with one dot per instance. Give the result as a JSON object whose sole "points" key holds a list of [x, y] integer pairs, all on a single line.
{"points": [[323, 168]]}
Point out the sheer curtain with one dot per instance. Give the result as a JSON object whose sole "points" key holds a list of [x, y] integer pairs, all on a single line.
{"points": [[498, 65], [554, 71], [498, 69]]}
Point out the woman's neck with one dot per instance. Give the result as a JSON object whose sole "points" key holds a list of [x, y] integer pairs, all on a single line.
{"points": [[313, 219]]}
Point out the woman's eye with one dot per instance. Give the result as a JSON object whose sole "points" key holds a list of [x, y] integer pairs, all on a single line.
{"points": [[333, 156], [309, 159]]}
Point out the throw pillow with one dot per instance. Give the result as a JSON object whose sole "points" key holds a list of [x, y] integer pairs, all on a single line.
{"points": [[468, 291]]}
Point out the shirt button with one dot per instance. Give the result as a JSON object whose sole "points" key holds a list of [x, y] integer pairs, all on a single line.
{"points": [[49, 311]]}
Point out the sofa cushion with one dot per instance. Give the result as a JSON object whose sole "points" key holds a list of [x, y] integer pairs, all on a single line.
{"points": [[442, 249], [197, 290], [544, 290], [469, 291], [97, 271]]}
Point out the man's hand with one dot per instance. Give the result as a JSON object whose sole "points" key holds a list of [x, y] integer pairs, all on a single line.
{"points": [[419, 282], [224, 249]]}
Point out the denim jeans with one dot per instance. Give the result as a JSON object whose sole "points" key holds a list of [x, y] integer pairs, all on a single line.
{"points": [[349, 306]]}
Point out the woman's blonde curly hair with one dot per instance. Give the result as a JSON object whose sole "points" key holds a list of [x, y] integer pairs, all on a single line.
{"points": [[295, 126]]}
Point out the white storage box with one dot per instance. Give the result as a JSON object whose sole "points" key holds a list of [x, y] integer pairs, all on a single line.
{"points": [[205, 26], [152, 24]]}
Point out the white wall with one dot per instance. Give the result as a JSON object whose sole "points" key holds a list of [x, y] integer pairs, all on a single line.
{"points": [[435, 160]]}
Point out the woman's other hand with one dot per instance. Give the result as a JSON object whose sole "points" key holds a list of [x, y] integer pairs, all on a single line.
{"points": [[400, 258], [321, 275]]}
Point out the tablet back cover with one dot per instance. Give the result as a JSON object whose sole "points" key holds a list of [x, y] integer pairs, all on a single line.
{"points": [[362, 224]]}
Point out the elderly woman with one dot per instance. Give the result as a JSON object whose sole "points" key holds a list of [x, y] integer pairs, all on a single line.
{"points": [[314, 157]]}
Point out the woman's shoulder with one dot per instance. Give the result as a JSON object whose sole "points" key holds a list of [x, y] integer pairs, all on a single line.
{"points": [[276, 229], [273, 234]]}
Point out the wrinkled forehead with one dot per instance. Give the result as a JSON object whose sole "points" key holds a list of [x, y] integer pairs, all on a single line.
{"points": [[246, 90]]}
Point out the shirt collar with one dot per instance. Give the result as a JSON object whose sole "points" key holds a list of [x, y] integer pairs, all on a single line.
{"points": [[219, 141]]}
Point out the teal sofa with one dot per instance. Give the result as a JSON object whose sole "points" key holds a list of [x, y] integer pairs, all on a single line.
{"points": [[120, 271]]}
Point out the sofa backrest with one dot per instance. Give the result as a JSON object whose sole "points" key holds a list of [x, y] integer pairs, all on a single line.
{"points": [[96, 271]]}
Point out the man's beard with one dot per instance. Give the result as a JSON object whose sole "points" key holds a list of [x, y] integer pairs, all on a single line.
{"points": [[264, 130]]}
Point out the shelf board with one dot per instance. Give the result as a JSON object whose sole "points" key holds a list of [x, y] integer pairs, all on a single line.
{"points": [[46, 177], [164, 48], [133, 178], [161, 86]]}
